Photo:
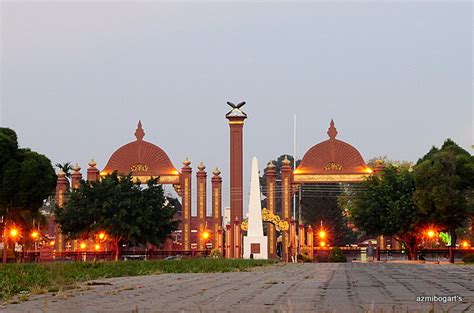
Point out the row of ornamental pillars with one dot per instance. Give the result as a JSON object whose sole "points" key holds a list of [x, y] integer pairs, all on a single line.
{"points": [[216, 235], [62, 187]]}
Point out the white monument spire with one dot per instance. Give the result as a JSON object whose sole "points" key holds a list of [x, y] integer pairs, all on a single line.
{"points": [[255, 243]]}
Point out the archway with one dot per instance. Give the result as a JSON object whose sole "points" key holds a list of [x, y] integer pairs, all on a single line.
{"points": [[328, 162]]}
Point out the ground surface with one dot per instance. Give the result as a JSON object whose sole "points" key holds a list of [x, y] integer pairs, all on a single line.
{"points": [[351, 287]]}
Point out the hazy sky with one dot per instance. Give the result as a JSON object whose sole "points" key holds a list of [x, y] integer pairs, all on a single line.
{"points": [[395, 76]]}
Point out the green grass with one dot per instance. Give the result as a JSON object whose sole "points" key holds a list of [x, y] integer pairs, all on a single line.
{"points": [[52, 277]]}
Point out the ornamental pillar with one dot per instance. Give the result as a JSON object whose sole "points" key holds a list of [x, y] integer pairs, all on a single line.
{"points": [[301, 239], [92, 172], [286, 204], [310, 240], [217, 209], [236, 119], [237, 239], [76, 177], [271, 207], [62, 187], [228, 240], [293, 239], [186, 172], [201, 177]]}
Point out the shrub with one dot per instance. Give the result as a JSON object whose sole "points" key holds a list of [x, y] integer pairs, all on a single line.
{"points": [[337, 256], [215, 253], [305, 255], [468, 258]]}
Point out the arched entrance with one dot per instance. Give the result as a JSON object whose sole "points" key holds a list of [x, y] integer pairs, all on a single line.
{"points": [[331, 161]]}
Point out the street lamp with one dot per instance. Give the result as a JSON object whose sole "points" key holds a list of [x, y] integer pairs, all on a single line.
{"points": [[12, 232]]}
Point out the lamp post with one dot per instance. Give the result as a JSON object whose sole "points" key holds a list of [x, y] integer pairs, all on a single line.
{"points": [[13, 232]]}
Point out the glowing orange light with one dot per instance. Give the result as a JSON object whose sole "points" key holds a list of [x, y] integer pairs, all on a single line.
{"points": [[368, 170], [97, 247], [430, 233], [322, 244], [101, 235], [13, 232], [82, 245], [465, 244], [51, 243], [205, 235], [322, 234], [34, 235]]}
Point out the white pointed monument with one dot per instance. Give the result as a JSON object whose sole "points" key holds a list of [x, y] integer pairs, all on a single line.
{"points": [[255, 243]]}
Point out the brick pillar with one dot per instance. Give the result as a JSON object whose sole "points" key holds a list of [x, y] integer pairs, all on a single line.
{"points": [[228, 234], [310, 240], [217, 208], [76, 177], [292, 238], [92, 172], [62, 187], [286, 204], [271, 207], [237, 239], [220, 240], [236, 119], [301, 239], [186, 172], [201, 177]]}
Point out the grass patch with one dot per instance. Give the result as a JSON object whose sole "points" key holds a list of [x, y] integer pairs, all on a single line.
{"points": [[52, 277]]}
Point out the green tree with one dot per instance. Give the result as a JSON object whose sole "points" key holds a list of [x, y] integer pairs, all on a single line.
{"points": [[66, 167], [385, 206], [120, 207], [444, 181], [319, 203], [26, 179]]}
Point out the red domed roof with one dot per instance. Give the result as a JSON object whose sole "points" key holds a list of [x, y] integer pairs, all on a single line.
{"points": [[141, 159], [333, 156]]}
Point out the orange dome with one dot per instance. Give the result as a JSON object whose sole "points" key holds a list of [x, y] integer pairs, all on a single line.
{"points": [[332, 156], [140, 158]]}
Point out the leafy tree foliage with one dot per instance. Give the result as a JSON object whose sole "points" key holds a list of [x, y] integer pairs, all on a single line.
{"points": [[26, 179], [120, 207], [386, 207], [320, 204], [444, 181], [66, 167]]}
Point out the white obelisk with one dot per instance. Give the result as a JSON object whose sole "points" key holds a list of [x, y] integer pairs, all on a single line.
{"points": [[255, 243]]}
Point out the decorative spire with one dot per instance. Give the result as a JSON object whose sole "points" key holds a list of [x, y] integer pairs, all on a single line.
{"points": [[92, 163], [187, 162], [332, 131], [271, 165], [216, 172], [286, 161], [201, 167], [61, 174], [76, 168], [139, 133]]}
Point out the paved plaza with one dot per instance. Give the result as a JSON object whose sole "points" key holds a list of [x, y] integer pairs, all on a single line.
{"points": [[351, 287]]}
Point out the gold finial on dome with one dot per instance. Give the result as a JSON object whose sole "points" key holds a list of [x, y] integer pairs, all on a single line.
{"points": [[139, 133], [187, 162], [271, 165], [201, 167], [92, 163], [286, 161], [332, 131], [76, 168], [216, 172], [61, 174]]}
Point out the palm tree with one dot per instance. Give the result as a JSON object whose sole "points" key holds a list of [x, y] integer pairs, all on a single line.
{"points": [[66, 167]]}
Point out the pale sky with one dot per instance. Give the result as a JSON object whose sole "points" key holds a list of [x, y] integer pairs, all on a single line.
{"points": [[76, 77]]}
